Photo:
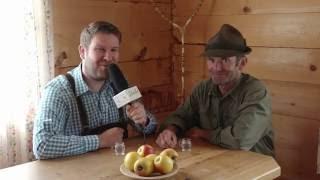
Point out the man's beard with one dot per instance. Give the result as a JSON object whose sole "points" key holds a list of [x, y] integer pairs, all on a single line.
{"points": [[101, 76], [229, 78]]}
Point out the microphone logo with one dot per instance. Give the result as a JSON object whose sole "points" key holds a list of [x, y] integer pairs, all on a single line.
{"points": [[126, 96]]}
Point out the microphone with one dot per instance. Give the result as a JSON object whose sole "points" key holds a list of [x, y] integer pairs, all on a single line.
{"points": [[124, 94]]}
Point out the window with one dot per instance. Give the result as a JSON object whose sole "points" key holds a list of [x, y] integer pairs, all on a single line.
{"points": [[24, 37]]}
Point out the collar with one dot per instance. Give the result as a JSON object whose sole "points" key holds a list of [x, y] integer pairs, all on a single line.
{"points": [[232, 93], [81, 85]]}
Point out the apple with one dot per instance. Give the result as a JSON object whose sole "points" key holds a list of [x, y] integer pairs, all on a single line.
{"points": [[151, 157], [130, 159], [144, 150], [163, 164], [171, 153], [143, 167]]}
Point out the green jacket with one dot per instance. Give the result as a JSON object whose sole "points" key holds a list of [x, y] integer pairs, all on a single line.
{"points": [[241, 119]]}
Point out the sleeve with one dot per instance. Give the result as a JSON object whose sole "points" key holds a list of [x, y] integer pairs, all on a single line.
{"points": [[152, 124], [252, 121], [186, 115], [49, 139]]}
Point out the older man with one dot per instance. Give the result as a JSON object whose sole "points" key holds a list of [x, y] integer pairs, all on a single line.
{"points": [[231, 109]]}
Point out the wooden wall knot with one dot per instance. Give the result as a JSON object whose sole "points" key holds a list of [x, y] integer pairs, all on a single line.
{"points": [[246, 9], [313, 67], [142, 54], [60, 59]]}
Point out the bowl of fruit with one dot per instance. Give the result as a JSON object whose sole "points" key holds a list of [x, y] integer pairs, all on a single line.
{"points": [[146, 164]]}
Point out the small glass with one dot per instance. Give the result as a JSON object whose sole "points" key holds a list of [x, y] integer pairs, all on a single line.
{"points": [[185, 144], [119, 148]]}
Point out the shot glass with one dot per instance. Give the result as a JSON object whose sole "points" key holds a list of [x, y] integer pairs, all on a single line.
{"points": [[119, 148], [185, 144]]}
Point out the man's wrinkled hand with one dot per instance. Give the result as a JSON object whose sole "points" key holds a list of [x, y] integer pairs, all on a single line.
{"points": [[167, 139]]}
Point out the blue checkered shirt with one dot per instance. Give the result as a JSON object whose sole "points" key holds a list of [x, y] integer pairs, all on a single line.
{"points": [[57, 129]]}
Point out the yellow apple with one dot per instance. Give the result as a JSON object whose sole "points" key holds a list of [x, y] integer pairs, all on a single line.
{"points": [[163, 164], [145, 149], [151, 157], [130, 159], [143, 167], [170, 153]]}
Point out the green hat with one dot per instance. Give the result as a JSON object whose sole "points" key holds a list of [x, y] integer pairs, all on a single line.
{"points": [[226, 43]]}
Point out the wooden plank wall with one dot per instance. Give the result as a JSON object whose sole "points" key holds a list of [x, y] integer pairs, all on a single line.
{"points": [[145, 52], [285, 38]]}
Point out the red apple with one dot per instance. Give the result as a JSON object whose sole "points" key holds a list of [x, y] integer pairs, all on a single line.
{"points": [[163, 164], [145, 150], [143, 167]]}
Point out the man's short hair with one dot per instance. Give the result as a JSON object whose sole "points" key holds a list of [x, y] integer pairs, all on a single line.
{"points": [[98, 27]]}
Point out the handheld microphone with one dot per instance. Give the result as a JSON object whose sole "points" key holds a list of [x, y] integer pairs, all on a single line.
{"points": [[124, 94]]}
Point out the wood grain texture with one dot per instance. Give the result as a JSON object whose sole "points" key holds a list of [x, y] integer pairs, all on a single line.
{"points": [[232, 7], [140, 33], [266, 30], [288, 98], [159, 99], [296, 142], [143, 73], [295, 99], [205, 161], [284, 36], [281, 64], [134, 1], [145, 52]]}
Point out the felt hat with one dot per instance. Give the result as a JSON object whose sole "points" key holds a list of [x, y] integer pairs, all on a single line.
{"points": [[226, 43]]}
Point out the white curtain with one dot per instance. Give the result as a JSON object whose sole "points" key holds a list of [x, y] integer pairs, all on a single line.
{"points": [[27, 64], [318, 160]]}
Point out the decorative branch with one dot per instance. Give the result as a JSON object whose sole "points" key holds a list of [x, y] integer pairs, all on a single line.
{"points": [[181, 29]]}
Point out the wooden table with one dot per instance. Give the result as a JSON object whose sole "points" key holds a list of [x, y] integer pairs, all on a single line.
{"points": [[205, 161]]}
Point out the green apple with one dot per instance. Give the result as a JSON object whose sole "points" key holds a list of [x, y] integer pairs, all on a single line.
{"points": [[143, 167], [171, 153], [130, 159], [163, 164], [145, 149]]}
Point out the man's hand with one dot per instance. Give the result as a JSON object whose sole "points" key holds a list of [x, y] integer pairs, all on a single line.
{"points": [[109, 137], [137, 113], [167, 139], [195, 133]]}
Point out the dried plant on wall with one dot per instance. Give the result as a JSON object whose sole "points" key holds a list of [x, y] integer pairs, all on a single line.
{"points": [[182, 30]]}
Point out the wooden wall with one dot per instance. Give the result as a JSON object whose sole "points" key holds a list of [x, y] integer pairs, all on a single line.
{"points": [[145, 52], [285, 38]]}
